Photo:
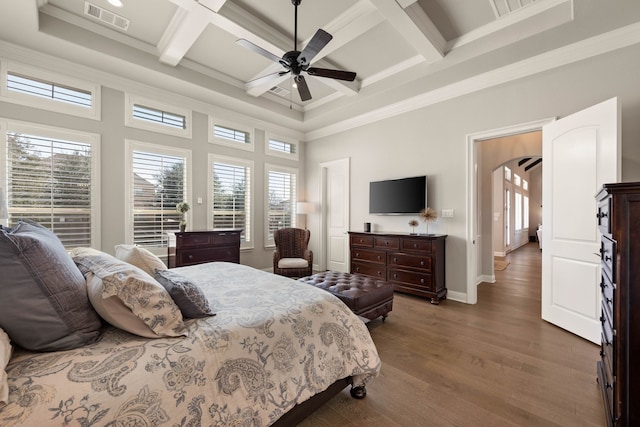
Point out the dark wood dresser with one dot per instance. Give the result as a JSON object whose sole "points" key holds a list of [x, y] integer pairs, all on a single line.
{"points": [[619, 368], [197, 247], [414, 264]]}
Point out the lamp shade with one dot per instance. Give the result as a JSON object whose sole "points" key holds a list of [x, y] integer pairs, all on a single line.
{"points": [[305, 208], [4, 210]]}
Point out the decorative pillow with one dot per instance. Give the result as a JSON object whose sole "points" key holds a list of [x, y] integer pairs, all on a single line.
{"points": [[140, 293], [43, 296], [186, 294], [5, 355], [140, 257]]}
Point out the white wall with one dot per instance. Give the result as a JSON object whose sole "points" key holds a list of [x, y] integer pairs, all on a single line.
{"points": [[432, 141]]}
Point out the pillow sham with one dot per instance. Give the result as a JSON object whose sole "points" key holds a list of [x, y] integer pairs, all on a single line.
{"points": [[5, 355], [43, 296], [140, 257], [186, 294], [130, 286]]}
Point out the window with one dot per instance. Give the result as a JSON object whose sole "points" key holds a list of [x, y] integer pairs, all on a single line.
{"points": [[36, 87], [231, 135], [518, 211], [281, 200], [155, 116], [158, 181], [525, 185], [231, 194], [516, 179], [507, 173], [525, 211], [51, 178], [281, 147]]}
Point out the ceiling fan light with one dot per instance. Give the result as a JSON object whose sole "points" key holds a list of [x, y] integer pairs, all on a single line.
{"points": [[116, 3]]}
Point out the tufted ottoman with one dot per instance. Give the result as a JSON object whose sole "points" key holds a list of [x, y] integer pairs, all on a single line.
{"points": [[366, 296]]}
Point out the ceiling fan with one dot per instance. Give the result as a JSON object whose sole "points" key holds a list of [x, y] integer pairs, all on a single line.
{"points": [[296, 62]]}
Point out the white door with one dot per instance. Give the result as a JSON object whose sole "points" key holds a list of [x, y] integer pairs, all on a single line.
{"points": [[335, 214], [581, 152]]}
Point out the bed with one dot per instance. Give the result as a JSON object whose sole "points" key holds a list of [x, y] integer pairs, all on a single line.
{"points": [[266, 347]]}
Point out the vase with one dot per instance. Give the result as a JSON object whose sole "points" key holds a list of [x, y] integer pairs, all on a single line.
{"points": [[183, 226]]}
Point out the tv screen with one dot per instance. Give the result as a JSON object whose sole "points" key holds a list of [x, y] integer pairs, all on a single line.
{"points": [[398, 196]]}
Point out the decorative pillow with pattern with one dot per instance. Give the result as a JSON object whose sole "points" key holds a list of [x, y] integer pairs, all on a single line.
{"points": [[140, 257], [5, 355], [186, 294], [132, 287]]}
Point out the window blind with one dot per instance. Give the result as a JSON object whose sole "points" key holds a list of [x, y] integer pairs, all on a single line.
{"points": [[231, 134], [49, 181], [231, 197], [281, 146], [282, 201], [158, 186]]}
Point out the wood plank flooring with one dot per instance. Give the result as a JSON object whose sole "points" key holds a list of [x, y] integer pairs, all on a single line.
{"points": [[495, 363]]}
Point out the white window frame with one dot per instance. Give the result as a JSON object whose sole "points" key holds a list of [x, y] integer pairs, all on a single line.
{"points": [[248, 243], [55, 105], [7, 125], [134, 145], [250, 146], [269, 242], [293, 142], [131, 121]]}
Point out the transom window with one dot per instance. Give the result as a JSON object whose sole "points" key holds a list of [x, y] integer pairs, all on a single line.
{"points": [[281, 147], [36, 87], [231, 134], [158, 116], [51, 179], [231, 194]]}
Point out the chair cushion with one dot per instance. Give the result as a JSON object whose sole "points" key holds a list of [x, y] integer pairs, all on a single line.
{"points": [[293, 263]]}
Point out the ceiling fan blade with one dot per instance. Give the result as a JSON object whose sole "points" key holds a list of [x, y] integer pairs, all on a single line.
{"points": [[303, 89], [268, 77], [257, 49], [332, 74], [317, 42]]}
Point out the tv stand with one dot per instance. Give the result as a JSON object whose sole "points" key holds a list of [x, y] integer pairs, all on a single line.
{"points": [[413, 263]]}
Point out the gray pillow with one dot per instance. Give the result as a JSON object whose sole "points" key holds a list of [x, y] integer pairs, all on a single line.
{"points": [[187, 295], [43, 296]]}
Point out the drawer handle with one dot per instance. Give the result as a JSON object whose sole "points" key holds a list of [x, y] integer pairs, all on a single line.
{"points": [[361, 240], [602, 319], [190, 257], [386, 243], [421, 262], [609, 385], [602, 285], [422, 281], [357, 268], [415, 245], [395, 259], [601, 215], [607, 258], [357, 254], [603, 354], [379, 257], [395, 276], [608, 300]]}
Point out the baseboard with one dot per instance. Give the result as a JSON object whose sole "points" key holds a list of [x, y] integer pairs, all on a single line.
{"points": [[500, 254], [457, 296], [486, 278]]}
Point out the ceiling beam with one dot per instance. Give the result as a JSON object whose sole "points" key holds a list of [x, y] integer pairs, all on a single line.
{"points": [[533, 164], [414, 26], [181, 33]]}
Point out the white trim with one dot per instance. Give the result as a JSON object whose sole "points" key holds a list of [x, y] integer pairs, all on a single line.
{"points": [[55, 105], [249, 130], [472, 237], [294, 143], [129, 120], [134, 145], [248, 244], [93, 139]]}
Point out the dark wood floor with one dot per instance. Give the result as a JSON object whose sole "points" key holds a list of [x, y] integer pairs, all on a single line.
{"points": [[495, 363]]}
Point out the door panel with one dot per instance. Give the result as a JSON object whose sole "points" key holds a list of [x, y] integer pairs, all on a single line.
{"points": [[336, 214], [581, 152]]}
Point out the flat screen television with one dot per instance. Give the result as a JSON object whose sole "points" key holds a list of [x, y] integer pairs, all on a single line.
{"points": [[398, 196]]}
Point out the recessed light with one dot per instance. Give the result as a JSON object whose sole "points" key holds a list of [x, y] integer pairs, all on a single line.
{"points": [[116, 3]]}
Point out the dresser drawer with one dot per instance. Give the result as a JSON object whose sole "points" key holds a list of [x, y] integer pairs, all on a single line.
{"points": [[415, 245], [410, 261], [199, 256], [607, 255], [369, 269], [192, 239], [603, 215], [369, 255], [412, 279], [361, 241], [224, 238], [388, 243], [608, 292]]}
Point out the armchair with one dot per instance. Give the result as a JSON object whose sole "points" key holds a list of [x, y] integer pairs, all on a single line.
{"points": [[292, 258]]}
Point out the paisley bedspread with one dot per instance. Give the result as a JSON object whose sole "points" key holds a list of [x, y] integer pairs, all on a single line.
{"points": [[273, 343]]}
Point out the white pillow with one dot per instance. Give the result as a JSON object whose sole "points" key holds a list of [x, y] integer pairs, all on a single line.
{"points": [[140, 257], [5, 355]]}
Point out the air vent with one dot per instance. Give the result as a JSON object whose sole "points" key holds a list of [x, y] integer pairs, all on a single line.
{"points": [[277, 90], [106, 16]]}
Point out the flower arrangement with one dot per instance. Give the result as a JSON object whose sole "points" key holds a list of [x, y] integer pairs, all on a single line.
{"points": [[428, 215], [183, 208], [413, 224]]}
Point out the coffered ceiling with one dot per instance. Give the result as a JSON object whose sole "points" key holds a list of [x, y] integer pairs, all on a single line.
{"points": [[406, 53]]}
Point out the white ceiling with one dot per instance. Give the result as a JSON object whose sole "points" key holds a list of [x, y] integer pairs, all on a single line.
{"points": [[405, 52]]}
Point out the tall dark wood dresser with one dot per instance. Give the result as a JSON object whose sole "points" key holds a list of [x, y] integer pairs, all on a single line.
{"points": [[619, 367], [197, 247]]}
